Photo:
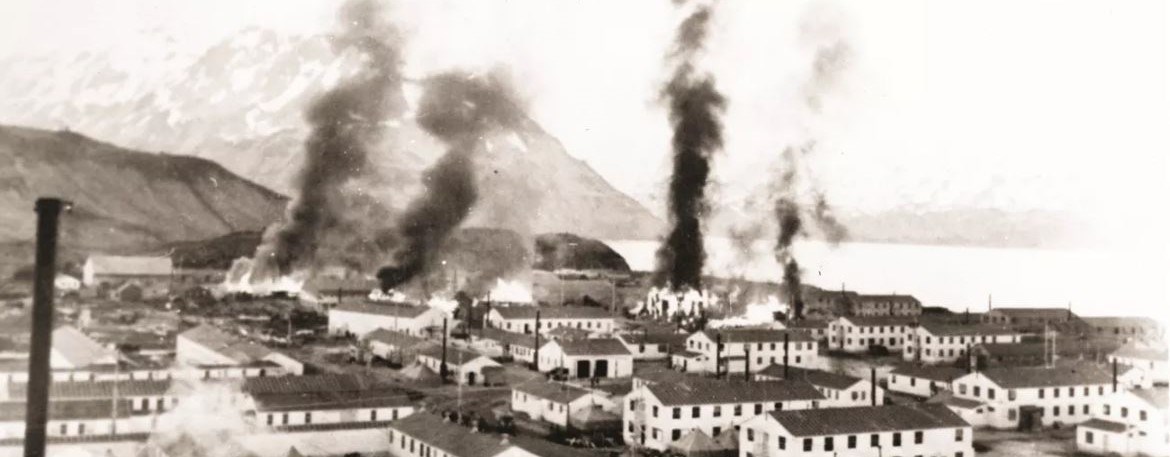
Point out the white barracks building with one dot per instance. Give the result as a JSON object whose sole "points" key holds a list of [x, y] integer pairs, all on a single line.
{"points": [[939, 343], [857, 334], [867, 431], [744, 348], [1003, 397], [1130, 422]]}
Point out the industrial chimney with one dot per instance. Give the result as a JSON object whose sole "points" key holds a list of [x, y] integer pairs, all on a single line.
{"points": [[443, 372], [718, 354], [785, 355], [45, 271], [536, 348]]}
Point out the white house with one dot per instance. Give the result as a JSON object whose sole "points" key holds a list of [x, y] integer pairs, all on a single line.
{"points": [[857, 334], [939, 343], [394, 346], [112, 270], [522, 319], [1130, 422], [653, 346], [464, 367], [733, 350], [1153, 360], [816, 328], [326, 406], [840, 390], [359, 318], [498, 342], [591, 358], [866, 431], [656, 415], [205, 347], [428, 435], [923, 381], [141, 396], [556, 402], [1003, 397], [76, 418]]}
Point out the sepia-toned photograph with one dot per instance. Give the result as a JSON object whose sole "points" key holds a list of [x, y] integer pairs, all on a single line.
{"points": [[584, 228]]}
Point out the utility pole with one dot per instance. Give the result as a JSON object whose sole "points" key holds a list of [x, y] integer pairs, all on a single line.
{"points": [[37, 400]]}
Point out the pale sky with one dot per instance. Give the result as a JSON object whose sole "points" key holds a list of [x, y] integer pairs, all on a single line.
{"points": [[1013, 104]]}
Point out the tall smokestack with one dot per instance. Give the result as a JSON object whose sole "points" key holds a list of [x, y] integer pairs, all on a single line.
{"points": [[41, 340], [695, 109], [344, 123], [459, 109], [443, 371], [1114, 374], [536, 351], [785, 355], [747, 363], [873, 386]]}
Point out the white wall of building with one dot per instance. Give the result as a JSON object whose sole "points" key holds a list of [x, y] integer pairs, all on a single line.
{"points": [[761, 438]]}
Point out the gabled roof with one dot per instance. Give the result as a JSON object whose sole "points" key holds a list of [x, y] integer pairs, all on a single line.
{"points": [[131, 265], [1105, 425], [454, 439], [227, 345], [68, 410], [867, 419], [940, 373], [886, 298], [1046, 312], [551, 312], [328, 400], [383, 309], [392, 338], [1059, 375], [454, 355], [819, 378], [553, 391], [80, 350], [939, 329], [595, 346], [807, 324], [703, 392], [756, 335], [878, 321], [72, 390], [505, 337], [1156, 396], [677, 340], [568, 333], [308, 383]]}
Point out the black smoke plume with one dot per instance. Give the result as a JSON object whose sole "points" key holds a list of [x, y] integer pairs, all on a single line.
{"points": [[344, 122], [695, 109], [458, 109]]}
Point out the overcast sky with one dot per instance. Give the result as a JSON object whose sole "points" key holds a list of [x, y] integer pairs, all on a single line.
{"points": [[1058, 105]]}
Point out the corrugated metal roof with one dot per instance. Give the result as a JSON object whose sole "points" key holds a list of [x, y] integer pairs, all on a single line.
{"points": [[932, 372], [757, 335], [815, 377], [939, 329], [98, 389], [867, 419], [1060, 375], [68, 410], [879, 321], [554, 391], [397, 339], [327, 400], [383, 309], [309, 383], [703, 392], [504, 337], [596, 346]]}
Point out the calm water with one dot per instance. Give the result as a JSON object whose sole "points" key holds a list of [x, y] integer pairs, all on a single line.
{"points": [[1096, 283]]}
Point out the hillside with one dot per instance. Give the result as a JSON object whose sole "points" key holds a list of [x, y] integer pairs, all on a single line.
{"points": [[122, 199], [240, 103]]}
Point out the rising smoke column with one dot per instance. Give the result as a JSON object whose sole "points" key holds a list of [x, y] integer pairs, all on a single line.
{"points": [[695, 108], [459, 109], [344, 122], [831, 58]]}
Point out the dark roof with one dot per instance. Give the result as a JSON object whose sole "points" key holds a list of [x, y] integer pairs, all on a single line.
{"points": [[879, 321], [505, 337], [964, 403], [121, 437], [672, 339], [941, 329], [383, 309], [1102, 424], [554, 391], [68, 410], [815, 377], [552, 312], [867, 419], [932, 372], [329, 426], [596, 346], [1060, 375], [454, 439], [454, 355], [392, 338], [97, 389], [1055, 311], [1156, 396], [807, 323], [702, 392], [756, 335], [566, 332], [323, 400], [308, 383]]}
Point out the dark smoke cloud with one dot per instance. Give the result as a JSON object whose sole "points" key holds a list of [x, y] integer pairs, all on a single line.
{"points": [[344, 122], [458, 109], [695, 109]]}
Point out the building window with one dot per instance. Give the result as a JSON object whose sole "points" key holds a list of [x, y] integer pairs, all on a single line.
{"points": [[81, 428], [851, 442], [373, 415], [897, 439], [1088, 437], [632, 404], [738, 410], [718, 411], [1055, 411], [284, 419], [1107, 410], [991, 394], [759, 408], [975, 391], [781, 442], [1142, 414], [653, 410], [1071, 392], [874, 440], [64, 429], [1012, 395], [959, 433], [675, 434], [1055, 392], [963, 390], [676, 413], [1085, 409], [1041, 393], [308, 418], [807, 444], [269, 419], [828, 443], [695, 411], [751, 435], [918, 437], [1072, 409], [1124, 412]]}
